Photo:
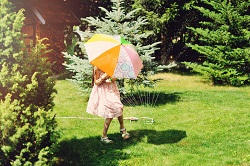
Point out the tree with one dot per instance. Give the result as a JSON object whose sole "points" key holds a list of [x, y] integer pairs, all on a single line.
{"points": [[168, 20], [27, 122], [223, 40], [115, 22]]}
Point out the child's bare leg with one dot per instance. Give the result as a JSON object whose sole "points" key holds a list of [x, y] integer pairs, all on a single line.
{"points": [[106, 126], [120, 119], [125, 134]]}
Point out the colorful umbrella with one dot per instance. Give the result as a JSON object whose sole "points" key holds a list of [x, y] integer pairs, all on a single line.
{"points": [[114, 56]]}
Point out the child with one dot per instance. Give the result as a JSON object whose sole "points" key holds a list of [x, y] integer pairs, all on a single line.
{"points": [[105, 102]]}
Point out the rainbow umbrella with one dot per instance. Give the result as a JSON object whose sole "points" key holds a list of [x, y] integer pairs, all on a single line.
{"points": [[113, 55]]}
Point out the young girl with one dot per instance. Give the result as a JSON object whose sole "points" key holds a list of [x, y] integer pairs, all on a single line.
{"points": [[105, 102]]}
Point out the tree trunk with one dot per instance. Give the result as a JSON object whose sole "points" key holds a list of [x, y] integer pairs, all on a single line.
{"points": [[163, 48]]}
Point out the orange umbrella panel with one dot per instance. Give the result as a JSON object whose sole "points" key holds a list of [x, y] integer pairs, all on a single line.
{"points": [[107, 61]]}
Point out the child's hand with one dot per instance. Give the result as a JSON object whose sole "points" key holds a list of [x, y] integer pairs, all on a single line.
{"points": [[109, 80], [113, 79], [103, 78]]}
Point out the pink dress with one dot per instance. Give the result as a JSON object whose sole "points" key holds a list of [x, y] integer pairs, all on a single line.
{"points": [[104, 100]]}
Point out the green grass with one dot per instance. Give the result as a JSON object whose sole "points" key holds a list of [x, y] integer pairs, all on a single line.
{"points": [[195, 124]]}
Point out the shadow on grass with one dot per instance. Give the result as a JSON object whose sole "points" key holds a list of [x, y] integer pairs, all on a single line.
{"points": [[184, 72], [150, 98], [90, 151]]}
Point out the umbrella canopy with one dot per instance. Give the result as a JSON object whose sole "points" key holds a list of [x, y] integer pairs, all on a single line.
{"points": [[113, 55]]}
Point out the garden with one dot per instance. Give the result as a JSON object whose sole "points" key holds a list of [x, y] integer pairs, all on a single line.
{"points": [[188, 104]]}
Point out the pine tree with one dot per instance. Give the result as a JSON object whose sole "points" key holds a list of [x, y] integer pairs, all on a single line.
{"points": [[27, 122], [115, 22], [168, 20], [223, 39]]}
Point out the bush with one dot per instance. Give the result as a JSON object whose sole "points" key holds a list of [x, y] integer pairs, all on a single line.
{"points": [[224, 41], [27, 122]]}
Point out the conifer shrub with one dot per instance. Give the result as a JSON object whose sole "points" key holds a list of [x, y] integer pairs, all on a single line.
{"points": [[223, 40], [27, 122]]}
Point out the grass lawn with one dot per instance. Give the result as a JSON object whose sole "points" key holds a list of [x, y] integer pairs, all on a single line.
{"points": [[195, 124]]}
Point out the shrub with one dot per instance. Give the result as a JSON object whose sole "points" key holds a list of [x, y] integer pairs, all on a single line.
{"points": [[27, 122], [224, 41]]}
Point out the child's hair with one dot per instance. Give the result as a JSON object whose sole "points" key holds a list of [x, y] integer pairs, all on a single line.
{"points": [[93, 79]]}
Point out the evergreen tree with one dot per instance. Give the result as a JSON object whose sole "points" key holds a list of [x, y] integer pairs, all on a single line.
{"points": [[27, 123], [223, 39], [168, 20], [115, 22]]}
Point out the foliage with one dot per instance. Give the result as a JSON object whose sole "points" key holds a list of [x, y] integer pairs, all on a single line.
{"points": [[168, 20], [82, 71], [115, 22], [27, 123], [223, 39]]}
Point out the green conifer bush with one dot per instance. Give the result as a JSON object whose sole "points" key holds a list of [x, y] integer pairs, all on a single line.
{"points": [[223, 40], [27, 122]]}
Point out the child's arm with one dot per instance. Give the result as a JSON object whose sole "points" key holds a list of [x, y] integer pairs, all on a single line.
{"points": [[101, 79]]}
